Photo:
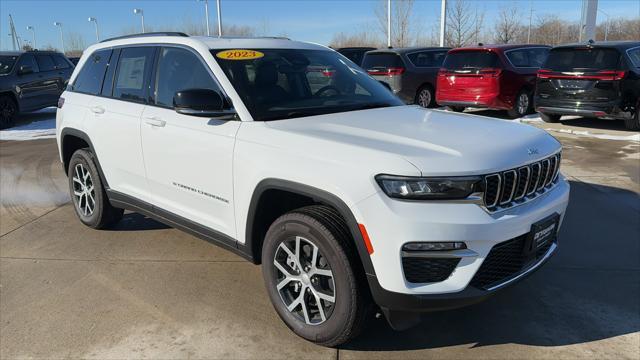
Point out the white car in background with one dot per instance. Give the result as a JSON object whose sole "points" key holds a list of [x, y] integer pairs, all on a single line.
{"points": [[347, 197]]}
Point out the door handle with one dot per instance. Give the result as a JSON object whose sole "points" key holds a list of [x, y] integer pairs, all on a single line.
{"points": [[155, 121], [97, 110]]}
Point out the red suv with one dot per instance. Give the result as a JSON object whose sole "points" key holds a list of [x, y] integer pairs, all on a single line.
{"points": [[499, 77]]}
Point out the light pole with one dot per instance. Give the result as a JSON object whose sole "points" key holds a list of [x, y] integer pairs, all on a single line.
{"points": [[206, 14], [95, 22], [219, 18], [443, 21], [530, 16], [59, 25], [606, 25], [33, 32], [139, 11]]}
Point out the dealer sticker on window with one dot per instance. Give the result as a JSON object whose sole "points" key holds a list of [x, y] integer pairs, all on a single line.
{"points": [[238, 54]]}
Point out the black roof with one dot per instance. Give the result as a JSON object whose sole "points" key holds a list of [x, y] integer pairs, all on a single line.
{"points": [[18, 53], [356, 48], [406, 50], [620, 45]]}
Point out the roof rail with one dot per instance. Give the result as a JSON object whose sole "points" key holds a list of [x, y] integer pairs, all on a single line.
{"points": [[160, 33]]}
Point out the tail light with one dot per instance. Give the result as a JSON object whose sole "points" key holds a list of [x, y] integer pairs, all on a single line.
{"points": [[600, 75], [327, 73], [492, 72], [60, 102], [442, 72], [388, 71]]}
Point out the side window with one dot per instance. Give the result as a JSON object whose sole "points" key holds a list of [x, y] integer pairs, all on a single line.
{"points": [[180, 69], [427, 58], [132, 78], [45, 63], [537, 57], [61, 62], [518, 58], [634, 55], [89, 79], [28, 60]]}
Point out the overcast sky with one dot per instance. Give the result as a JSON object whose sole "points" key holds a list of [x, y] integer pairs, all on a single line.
{"points": [[306, 20]]}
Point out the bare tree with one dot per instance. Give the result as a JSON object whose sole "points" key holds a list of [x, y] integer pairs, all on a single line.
{"points": [[462, 24], [74, 44], [361, 38], [508, 28], [404, 27]]}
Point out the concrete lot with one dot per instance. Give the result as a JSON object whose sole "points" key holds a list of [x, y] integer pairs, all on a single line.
{"points": [[143, 290]]}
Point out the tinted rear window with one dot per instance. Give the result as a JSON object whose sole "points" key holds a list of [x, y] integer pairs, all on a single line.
{"points": [[381, 60], [527, 57], [89, 79], [471, 60], [61, 62], [45, 63], [568, 59]]}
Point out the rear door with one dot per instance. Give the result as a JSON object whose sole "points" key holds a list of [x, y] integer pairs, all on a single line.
{"points": [[51, 88], [64, 69], [467, 74], [29, 87], [581, 74], [425, 66]]}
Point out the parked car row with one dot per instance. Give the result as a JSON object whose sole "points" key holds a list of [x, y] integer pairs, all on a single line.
{"points": [[600, 80], [31, 81]]}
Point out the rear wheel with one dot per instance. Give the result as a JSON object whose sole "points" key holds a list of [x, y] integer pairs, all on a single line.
{"points": [[424, 97], [550, 118], [8, 111], [308, 265], [456, 108], [633, 123], [522, 105], [88, 194]]}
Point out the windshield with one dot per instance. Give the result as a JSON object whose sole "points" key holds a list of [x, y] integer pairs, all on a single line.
{"points": [[570, 59], [6, 63], [286, 83], [460, 60]]}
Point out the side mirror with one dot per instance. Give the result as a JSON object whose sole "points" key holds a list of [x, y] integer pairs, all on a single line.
{"points": [[25, 69], [202, 102]]}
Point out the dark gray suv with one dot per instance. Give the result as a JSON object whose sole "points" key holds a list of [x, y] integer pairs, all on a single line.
{"points": [[410, 72], [30, 81]]}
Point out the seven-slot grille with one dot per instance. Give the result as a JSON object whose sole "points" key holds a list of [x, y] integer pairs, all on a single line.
{"points": [[504, 189]]}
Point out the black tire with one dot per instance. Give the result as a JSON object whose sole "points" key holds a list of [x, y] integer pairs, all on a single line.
{"points": [[522, 105], [425, 96], [323, 227], [8, 111], [456, 108], [633, 123], [82, 170], [550, 118]]}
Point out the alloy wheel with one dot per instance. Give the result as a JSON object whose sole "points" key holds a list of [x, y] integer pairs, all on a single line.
{"points": [[7, 110], [523, 103], [83, 190], [424, 98], [304, 280]]}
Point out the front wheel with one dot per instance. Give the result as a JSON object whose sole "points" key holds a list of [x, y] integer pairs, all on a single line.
{"points": [[522, 105], [88, 194], [309, 269], [633, 123], [8, 111]]}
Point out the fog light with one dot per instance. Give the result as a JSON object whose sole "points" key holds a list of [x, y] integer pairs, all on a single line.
{"points": [[433, 246]]}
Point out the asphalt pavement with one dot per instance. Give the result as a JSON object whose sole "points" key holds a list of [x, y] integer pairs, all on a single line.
{"points": [[143, 290]]}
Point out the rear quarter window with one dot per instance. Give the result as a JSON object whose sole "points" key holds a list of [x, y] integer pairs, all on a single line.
{"points": [[381, 60], [634, 55], [45, 63], [61, 62], [90, 77]]}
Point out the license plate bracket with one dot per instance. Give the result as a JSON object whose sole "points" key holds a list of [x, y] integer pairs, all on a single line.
{"points": [[542, 232]]}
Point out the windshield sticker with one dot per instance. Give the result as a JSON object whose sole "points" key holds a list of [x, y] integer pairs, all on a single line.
{"points": [[238, 54]]}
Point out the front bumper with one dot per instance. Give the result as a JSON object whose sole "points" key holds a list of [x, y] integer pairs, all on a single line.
{"points": [[392, 223]]}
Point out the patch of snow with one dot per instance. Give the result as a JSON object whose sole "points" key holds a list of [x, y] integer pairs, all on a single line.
{"points": [[41, 129], [634, 137]]}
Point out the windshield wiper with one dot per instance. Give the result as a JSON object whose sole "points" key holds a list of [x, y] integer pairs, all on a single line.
{"points": [[371, 106]]}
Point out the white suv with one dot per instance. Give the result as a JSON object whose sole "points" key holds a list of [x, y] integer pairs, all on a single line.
{"points": [[291, 156]]}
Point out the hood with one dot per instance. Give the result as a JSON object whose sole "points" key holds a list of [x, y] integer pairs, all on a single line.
{"points": [[436, 142]]}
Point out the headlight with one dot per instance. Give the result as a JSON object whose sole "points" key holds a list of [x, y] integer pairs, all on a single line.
{"points": [[427, 188]]}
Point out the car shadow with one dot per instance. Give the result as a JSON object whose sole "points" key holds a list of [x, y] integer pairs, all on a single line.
{"points": [[588, 291], [30, 117], [137, 222], [592, 123]]}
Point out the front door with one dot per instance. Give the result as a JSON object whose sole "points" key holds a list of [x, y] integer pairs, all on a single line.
{"points": [[188, 159]]}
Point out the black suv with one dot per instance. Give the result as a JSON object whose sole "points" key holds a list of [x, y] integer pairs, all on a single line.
{"points": [[30, 81], [410, 72], [600, 80]]}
